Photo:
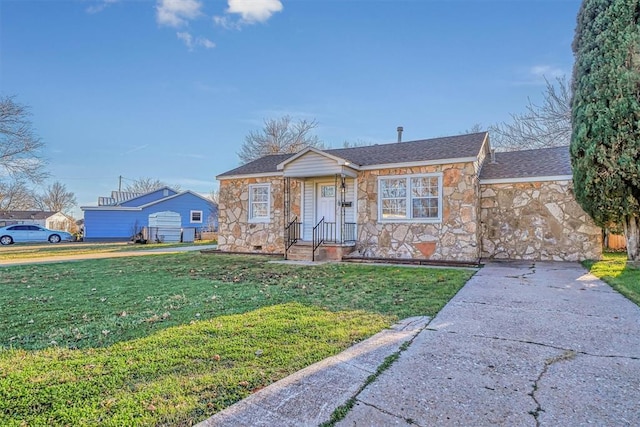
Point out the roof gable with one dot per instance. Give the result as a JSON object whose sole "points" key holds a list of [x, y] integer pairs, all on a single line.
{"points": [[148, 204], [310, 151], [144, 198]]}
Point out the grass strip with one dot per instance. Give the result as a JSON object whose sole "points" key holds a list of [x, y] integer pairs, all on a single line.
{"points": [[341, 411], [614, 269]]}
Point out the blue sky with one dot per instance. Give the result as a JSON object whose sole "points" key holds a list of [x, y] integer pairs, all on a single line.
{"points": [[168, 89]]}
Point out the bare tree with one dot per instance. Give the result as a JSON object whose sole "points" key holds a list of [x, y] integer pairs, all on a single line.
{"points": [[541, 126], [357, 143], [279, 136], [214, 196], [20, 147], [475, 128], [16, 196], [146, 185], [56, 198]]}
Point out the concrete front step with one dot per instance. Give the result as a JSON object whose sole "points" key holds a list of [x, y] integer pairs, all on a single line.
{"points": [[303, 251]]}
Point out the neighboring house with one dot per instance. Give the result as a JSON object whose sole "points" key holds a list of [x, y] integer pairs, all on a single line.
{"points": [[442, 199], [123, 215], [51, 220]]}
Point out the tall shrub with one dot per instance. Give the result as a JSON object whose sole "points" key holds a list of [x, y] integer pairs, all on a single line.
{"points": [[605, 143]]}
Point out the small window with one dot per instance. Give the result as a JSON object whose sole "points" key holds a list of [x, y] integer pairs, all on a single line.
{"points": [[196, 216], [259, 200], [327, 190]]}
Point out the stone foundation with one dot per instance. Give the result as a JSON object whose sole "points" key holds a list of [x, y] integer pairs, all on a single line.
{"points": [[536, 221]]}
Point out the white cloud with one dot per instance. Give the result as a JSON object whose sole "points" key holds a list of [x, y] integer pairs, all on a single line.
{"points": [[192, 42], [100, 6], [547, 71], [206, 43], [176, 13], [250, 11], [186, 38], [226, 22]]}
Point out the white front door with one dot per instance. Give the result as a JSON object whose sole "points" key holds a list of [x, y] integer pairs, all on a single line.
{"points": [[326, 205]]}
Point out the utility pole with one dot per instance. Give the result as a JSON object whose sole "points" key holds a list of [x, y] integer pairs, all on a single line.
{"points": [[120, 184]]}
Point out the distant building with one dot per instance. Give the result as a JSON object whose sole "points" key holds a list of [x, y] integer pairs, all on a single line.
{"points": [[123, 214], [51, 220]]}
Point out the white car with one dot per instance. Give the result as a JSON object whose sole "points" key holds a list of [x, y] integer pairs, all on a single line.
{"points": [[31, 233]]}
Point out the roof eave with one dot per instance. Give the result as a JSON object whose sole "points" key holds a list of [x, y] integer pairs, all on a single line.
{"points": [[515, 180], [419, 163], [249, 175]]}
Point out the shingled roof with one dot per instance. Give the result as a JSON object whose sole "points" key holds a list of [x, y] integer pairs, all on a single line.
{"points": [[450, 147], [23, 215], [528, 164]]}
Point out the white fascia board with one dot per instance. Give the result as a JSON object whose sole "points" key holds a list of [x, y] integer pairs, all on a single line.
{"points": [[110, 208], [250, 175], [422, 163], [527, 179]]}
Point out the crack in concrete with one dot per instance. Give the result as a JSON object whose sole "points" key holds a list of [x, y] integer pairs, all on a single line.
{"points": [[584, 353], [524, 305], [373, 377], [567, 355], [410, 421]]}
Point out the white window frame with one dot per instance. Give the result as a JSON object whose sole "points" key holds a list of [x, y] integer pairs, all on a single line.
{"points": [[265, 218], [408, 198], [191, 217]]}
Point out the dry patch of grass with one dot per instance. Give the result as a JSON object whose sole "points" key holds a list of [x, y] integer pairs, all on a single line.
{"points": [[21, 251]]}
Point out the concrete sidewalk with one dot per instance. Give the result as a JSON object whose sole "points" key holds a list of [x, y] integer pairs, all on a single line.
{"points": [[543, 344]]}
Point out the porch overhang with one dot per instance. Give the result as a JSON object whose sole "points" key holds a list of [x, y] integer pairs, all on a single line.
{"points": [[312, 162], [341, 171]]}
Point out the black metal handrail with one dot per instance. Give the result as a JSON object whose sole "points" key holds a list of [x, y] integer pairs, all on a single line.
{"points": [[348, 232], [330, 232], [318, 237], [291, 235]]}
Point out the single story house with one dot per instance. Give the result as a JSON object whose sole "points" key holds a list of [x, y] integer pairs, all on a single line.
{"points": [[51, 220], [124, 215], [442, 199]]}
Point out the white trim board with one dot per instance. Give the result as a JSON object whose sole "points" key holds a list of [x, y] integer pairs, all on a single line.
{"points": [[526, 179]]}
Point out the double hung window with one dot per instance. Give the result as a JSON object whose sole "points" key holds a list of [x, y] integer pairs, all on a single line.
{"points": [[259, 202], [410, 197]]}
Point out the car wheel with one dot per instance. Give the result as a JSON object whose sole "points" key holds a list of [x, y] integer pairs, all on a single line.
{"points": [[6, 240], [54, 238]]}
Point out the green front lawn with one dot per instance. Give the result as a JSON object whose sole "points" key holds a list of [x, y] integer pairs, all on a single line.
{"points": [[172, 339], [614, 270]]}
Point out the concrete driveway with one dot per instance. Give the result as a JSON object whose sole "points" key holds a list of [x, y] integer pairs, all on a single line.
{"points": [[543, 344]]}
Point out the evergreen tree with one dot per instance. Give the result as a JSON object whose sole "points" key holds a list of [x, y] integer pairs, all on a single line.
{"points": [[605, 144]]}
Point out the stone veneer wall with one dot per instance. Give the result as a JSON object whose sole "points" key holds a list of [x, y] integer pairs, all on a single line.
{"points": [[536, 221], [236, 234], [456, 238]]}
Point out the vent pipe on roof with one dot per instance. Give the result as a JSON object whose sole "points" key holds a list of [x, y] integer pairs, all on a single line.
{"points": [[400, 129], [493, 155]]}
